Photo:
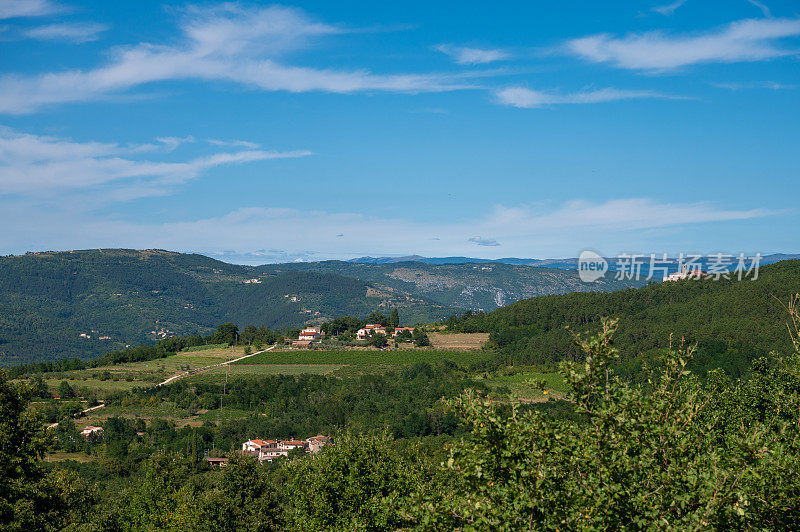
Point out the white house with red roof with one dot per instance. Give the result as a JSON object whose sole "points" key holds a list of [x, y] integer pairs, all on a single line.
{"points": [[257, 445], [288, 445], [310, 334], [370, 329]]}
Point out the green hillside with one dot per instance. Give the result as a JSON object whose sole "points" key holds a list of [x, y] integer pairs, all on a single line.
{"points": [[732, 321], [474, 286], [122, 297]]}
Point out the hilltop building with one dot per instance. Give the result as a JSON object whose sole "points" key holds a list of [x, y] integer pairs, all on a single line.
{"points": [[686, 273]]}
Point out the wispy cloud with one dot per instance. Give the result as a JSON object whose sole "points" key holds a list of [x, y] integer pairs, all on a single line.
{"points": [[472, 56], [28, 8], [231, 43], [235, 143], [44, 166], [744, 40], [74, 32], [668, 9], [741, 85], [764, 9], [531, 99]]}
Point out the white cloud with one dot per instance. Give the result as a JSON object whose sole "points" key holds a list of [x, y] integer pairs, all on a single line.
{"points": [[27, 8], [531, 99], [48, 166], [528, 231], [744, 40], [473, 56], [226, 43], [74, 32], [668, 9]]}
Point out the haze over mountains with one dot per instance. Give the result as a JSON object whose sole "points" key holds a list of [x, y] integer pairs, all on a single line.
{"points": [[615, 263]]}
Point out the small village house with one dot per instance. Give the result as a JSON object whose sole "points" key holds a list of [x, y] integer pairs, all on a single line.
{"points": [[292, 444], [255, 445], [90, 431], [316, 443], [216, 462], [370, 329], [399, 330]]}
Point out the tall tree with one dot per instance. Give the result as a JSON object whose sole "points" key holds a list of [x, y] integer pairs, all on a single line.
{"points": [[30, 497]]}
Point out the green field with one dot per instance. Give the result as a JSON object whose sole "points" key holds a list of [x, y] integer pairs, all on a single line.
{"points": [[522, 383], [240, 370], [205, 348], [364, 357], [100, 387]]}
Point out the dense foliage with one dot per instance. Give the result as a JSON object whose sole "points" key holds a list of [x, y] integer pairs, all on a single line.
{"points": [[671, 452], [285, 406], [733, 322], [31, 498]]}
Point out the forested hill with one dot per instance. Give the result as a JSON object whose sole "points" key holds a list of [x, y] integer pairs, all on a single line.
{"points": [[732, 321], [475, 286], [120, 297]]}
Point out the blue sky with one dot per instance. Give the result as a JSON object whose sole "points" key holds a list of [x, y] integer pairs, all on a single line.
{"points": [[262, 132]]}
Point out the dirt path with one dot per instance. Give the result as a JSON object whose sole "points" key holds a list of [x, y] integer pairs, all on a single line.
{"points": [[83, 412], [206, 368]]}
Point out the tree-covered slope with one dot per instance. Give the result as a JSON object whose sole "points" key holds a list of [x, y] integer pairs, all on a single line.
{"points": [[732, 321], [474, 286], [121, 297]]}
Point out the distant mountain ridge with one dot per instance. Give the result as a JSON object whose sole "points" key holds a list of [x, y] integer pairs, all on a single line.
{"points": [[477, 286], [568, 263]]}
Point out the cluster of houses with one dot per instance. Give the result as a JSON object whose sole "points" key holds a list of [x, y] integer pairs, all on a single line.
{"points": [[269, 450], [375, 328], [309, 335]]}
